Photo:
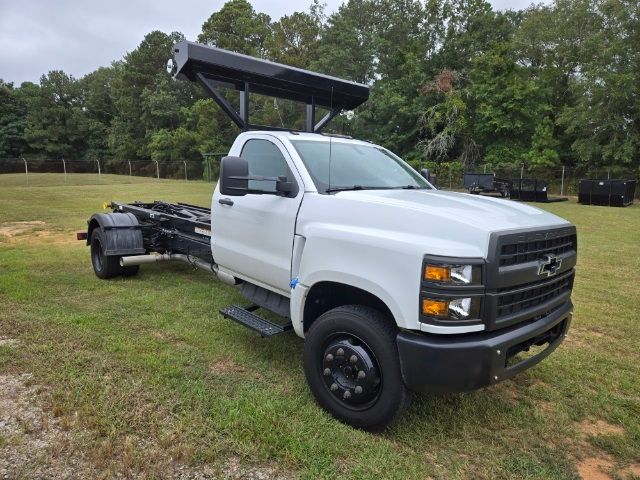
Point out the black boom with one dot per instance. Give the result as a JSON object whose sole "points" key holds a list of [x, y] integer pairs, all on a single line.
{"points": [[214, 67]]}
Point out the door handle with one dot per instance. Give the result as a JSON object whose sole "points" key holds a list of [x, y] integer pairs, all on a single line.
{"points": [[225, 201]]}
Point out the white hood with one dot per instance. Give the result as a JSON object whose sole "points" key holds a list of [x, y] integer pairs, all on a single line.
{"points": [[488, 213], [446, 223]]}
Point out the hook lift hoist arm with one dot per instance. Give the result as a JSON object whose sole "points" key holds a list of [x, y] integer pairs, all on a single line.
{"points": [[214, 68]]}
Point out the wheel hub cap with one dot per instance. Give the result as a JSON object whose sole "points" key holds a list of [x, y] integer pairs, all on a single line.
{"points": [[350, 372]]}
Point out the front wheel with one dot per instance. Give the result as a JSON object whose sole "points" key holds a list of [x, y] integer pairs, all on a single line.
{"points": [[352, 366]]}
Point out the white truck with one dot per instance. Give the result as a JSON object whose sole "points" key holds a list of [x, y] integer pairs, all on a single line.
{"points": [[394, 286]]}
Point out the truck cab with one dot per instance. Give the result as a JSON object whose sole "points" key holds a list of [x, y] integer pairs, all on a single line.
{"points": [[468, 282], [395, 286]]}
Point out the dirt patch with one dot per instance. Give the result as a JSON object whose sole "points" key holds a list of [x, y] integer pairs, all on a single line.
{"points": [[170, 338], [577, 341], [222, 367], [583, 337], [236, 470], [595, 468], [13, 229], [58, 238], [233, 469], [599, 427], [34, 444], [546, 408], [598, 465], [34, 232], [8, 342], [632, 471]]}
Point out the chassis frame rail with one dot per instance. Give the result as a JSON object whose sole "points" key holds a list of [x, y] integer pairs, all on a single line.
{"points": [[172, 227]]}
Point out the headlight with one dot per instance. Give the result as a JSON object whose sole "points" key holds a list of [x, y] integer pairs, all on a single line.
{"points": [[453, 274], [465, 308]]}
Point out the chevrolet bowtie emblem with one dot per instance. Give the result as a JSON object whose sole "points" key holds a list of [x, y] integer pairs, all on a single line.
{"points": [[549, 265]]}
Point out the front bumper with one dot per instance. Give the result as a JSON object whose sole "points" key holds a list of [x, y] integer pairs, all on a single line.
{"points": [[438, 363]]}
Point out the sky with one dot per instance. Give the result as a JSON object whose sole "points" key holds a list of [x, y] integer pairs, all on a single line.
{"points": [[78, 36]]}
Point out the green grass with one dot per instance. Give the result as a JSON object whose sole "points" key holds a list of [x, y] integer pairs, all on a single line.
{"points": [[145, 368], [71, 179]]}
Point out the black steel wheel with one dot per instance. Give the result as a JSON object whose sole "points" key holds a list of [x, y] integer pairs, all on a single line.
{"points": [[352, 366], [103, 266]]}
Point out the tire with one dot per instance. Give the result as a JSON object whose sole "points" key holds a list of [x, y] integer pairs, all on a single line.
{"points": [[368, 340], [103, 266], [129, 271]]}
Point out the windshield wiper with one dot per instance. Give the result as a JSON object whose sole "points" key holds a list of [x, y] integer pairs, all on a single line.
{"points": [[355, 187], [362, 187]]}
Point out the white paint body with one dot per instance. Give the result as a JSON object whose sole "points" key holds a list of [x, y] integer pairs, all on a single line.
{"points": [[374, 240]]}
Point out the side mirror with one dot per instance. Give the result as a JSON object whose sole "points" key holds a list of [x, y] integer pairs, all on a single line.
{"points": [[425, 173], [234, 180], [234, 173], [283, 187]]}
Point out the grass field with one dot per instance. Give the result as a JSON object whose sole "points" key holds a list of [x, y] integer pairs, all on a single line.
{"points": [[144, 377]]}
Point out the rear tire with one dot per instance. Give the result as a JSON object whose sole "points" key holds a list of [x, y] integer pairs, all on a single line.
{"points": [[103, 266], [352, 366], [130, 271]]}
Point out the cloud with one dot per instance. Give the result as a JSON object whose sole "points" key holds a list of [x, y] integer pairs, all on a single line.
{"points": [[78, 36]]}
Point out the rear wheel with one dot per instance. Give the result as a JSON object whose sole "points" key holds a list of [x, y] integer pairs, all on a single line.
{"points": [[352, 366], [130, 271], [103, 266]]}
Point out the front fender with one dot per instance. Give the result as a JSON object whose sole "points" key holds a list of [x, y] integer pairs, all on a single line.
{"points": [[391, 274]]}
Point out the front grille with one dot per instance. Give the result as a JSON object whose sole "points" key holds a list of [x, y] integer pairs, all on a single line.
{"points": [[523, 252], [512, 301]]}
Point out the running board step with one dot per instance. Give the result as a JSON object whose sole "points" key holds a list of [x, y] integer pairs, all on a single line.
{"points": [[246, 317]]}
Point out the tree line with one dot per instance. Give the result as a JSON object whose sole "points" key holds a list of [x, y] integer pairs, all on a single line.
{"points": [[451, 81]]}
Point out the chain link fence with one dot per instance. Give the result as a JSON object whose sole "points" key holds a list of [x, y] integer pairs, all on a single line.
{"points": [[448, 175], [43, 172]]}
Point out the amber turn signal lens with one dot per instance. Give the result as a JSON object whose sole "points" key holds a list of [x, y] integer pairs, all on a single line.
{"points": [[437, 274], [435, 308]]}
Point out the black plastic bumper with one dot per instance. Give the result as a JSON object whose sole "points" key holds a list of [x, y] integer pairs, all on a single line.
{"points": [[439, 363]]}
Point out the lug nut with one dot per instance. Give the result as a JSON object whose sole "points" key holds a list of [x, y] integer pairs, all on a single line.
{"points": [[340, 352], [358, 390], [327, 371], [361, 374], [346, 395], [329, 357], [353, 359], [334, 387]]}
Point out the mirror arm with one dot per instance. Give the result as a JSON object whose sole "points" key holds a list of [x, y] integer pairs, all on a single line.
{"points": [[257, 178], [283, 187]]}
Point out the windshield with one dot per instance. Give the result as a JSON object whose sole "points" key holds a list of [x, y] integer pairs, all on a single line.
{"points": [[355, 167]]}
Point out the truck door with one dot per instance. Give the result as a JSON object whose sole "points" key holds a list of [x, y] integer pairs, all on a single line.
{"points": [[253, 234]]}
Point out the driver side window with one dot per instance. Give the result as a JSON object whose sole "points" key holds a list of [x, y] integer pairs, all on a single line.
{"points": [[265, 159]]}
